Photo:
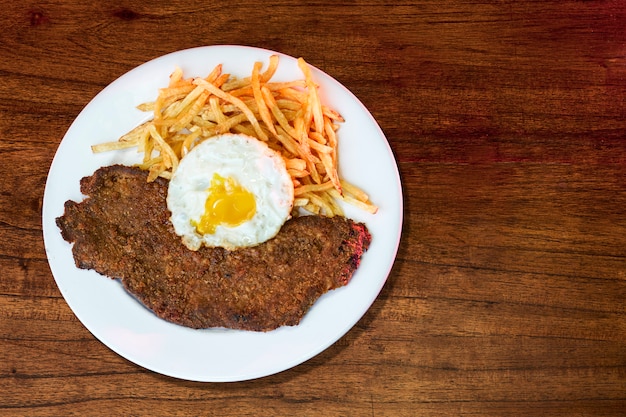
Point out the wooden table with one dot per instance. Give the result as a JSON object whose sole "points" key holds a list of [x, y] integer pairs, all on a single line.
{"points": [[508, 123]]}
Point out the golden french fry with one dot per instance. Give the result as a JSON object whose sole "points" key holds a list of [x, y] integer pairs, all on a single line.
{"points": [[288, 116], [363, 205], [296, 84], [300, 202], [277, 112], [183, 119], [237, 102], [297, 173], [303, 189], [321, 149], [271, 69], [332, 114], [176, 76], [227, 124], [112, 146], [331, 171], [354, 190], [213, 75], [313, 98], [173, 111], [189, 141], [295, 163], [324, 207], [258, 97], [170, 159]]}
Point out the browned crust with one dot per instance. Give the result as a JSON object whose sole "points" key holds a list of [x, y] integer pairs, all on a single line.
{"points": [[122, 230]]}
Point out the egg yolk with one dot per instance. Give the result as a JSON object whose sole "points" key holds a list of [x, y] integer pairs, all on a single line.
{"points": [[228, 204]]}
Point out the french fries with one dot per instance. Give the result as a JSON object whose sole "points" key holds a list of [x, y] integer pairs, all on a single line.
{"points": [[288, 116]]}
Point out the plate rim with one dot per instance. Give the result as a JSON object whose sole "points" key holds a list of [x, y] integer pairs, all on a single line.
{"points": [[305, 356]]}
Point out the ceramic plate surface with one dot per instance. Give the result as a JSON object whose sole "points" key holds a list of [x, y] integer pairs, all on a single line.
{"points": [[134, 332]]}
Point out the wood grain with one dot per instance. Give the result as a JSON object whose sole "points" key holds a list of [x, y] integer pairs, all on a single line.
{"points": [[507, 120]]}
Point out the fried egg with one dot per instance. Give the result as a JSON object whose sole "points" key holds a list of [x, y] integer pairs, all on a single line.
{"points": [[229, 191]]}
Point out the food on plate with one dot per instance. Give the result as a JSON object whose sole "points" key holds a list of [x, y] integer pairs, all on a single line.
{"points": [[286, 115], [230, 191], [122, 230], [232, 216]]}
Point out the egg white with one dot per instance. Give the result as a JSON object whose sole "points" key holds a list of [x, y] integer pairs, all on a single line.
{"points": [[255, 166]]}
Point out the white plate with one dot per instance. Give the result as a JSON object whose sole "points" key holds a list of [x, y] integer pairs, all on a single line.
{"points": [[125, 326]]}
